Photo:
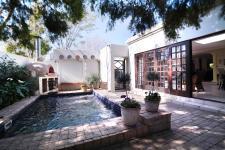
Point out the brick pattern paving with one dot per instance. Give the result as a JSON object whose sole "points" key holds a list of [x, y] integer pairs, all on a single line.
{"points": [[96, 134], [87, 136], [191, 129]]}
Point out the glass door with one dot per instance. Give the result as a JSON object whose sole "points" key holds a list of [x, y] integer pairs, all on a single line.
{"points": [[180, 70], [139, 63]]}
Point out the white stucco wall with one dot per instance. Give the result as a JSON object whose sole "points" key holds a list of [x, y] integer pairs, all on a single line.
{"points": [[73, 71], [104, 63], [70, 71], [156, 38], [92, 67], [107, 55]]}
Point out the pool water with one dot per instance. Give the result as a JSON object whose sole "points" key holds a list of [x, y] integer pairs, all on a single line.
{"points": [[57, 112]]}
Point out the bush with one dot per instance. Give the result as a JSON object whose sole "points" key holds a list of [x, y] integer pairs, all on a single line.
{"points": [[15, 82], [93, 80]]}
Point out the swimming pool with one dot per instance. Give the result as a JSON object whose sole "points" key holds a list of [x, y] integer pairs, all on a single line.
{"points": [[57, 112]]}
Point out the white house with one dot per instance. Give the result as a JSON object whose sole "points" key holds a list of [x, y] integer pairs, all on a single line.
{"points": [[194, 61]]}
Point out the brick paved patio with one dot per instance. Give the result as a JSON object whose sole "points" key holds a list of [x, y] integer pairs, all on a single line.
{"points": [[191, 129]]}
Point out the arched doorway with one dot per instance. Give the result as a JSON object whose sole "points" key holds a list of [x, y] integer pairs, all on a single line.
{"points": [[51, 70]]}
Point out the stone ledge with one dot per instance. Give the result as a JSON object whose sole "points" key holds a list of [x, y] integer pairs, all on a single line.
{"points": [[13, 111]]}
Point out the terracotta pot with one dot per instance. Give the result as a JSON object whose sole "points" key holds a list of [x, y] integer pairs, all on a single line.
{"points": [[83, 88], [130, 116]]}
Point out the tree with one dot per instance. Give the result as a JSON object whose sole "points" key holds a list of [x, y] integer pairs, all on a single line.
{"points": [[175, 14], [36, 28], [76, 32], [19, 49], [14, 16]]}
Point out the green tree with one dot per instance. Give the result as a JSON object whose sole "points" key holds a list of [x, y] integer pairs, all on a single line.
{"points": [[45, 47], [143, 14], [19, 49], [15, 16], [37, 29]]}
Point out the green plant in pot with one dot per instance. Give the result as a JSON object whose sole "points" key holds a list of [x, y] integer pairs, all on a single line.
{"points": [[93, 81], [152, 98], [130, 108]]}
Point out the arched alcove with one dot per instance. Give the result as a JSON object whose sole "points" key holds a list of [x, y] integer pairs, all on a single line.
{"points": [[61, 57]]}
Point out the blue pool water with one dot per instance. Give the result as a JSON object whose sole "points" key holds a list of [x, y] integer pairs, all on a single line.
{"points": [[57, 112]]}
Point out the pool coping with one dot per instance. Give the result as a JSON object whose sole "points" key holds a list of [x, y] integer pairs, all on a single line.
{"points": [[91, 135], [10, 113]]}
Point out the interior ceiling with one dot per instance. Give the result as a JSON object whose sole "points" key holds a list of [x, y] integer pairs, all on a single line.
{"points": [[198, 48]]}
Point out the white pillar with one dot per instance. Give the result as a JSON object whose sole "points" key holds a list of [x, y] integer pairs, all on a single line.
{"points": [[214, 67], [110, 70]]}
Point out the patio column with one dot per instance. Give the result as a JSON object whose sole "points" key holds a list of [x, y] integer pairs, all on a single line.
{"points": [[110, 70], [214, 66]]}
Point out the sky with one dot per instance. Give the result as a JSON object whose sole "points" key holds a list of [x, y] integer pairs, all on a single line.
{"points": [[118, 35]]}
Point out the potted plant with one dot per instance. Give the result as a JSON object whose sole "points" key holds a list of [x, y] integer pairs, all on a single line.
{"points": [[93, 81], [130, 108], [83, 87], [152, 98]]}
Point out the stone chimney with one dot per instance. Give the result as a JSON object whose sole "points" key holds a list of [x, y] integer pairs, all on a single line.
{"points": [[37, 44]]}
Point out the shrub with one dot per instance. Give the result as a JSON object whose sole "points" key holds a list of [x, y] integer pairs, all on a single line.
{"points": [[93, 80], [15, 82]]}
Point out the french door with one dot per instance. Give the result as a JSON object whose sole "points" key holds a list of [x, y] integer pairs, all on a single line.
{"points": [[171, 63], [180, 69]]}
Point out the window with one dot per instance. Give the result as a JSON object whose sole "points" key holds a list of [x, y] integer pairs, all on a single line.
{"points": [[140, 71], [157, 61], [178, 55]]}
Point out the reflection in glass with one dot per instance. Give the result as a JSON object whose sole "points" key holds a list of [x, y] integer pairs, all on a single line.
{"points": [[183, 47], [174, 50]]}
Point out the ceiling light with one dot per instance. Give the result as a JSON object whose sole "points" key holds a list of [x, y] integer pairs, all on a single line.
{"points": [[211, 39]]}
